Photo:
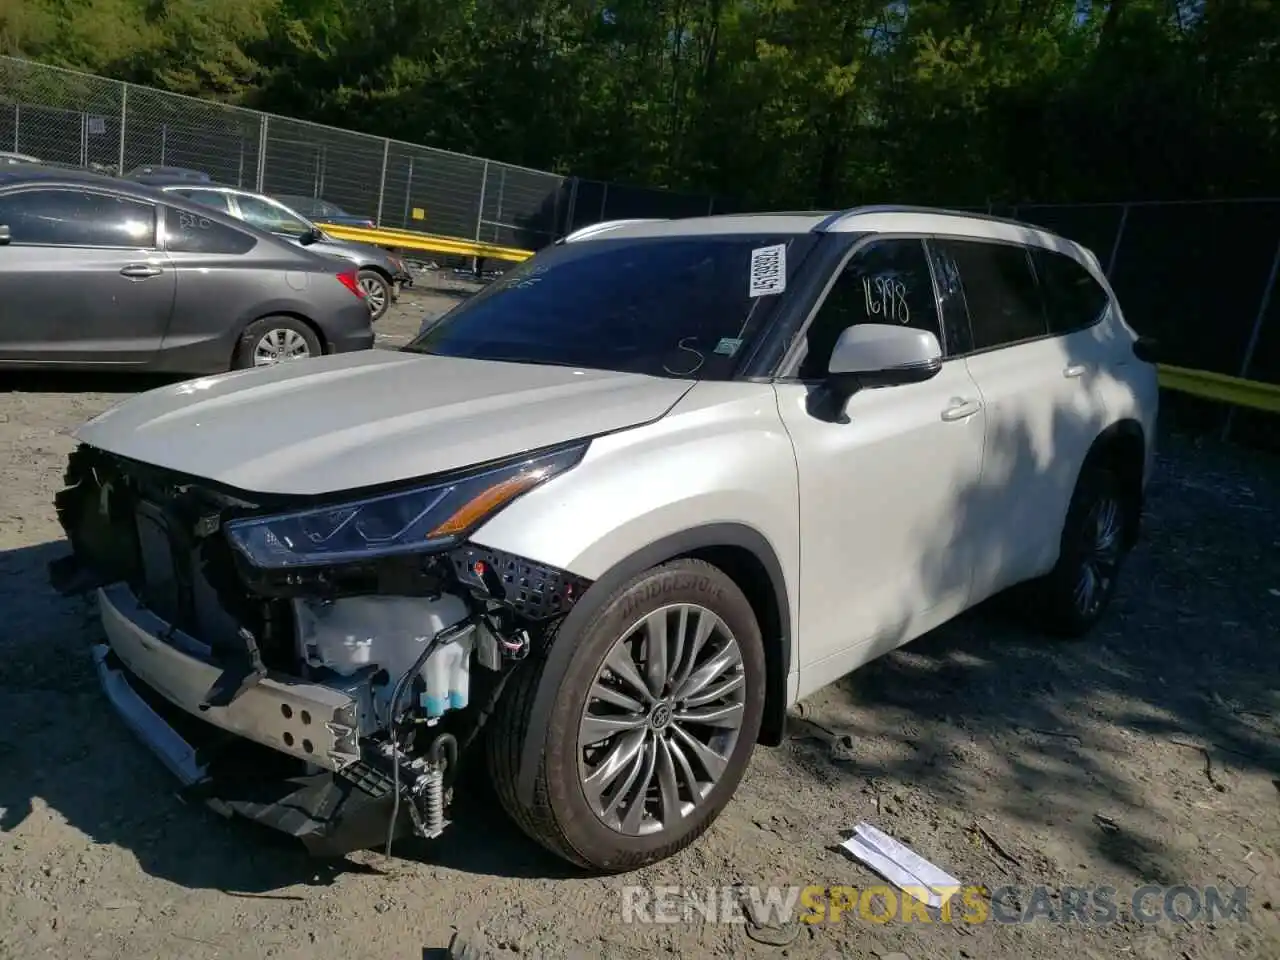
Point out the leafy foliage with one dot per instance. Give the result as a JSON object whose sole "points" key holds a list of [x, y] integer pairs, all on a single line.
{"points": [[774, 102]]}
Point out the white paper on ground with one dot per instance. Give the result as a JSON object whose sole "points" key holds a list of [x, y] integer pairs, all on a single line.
{"points": [[900, 865]]}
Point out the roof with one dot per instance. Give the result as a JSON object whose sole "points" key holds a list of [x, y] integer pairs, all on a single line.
{"points": [[932, 221], [12, 174]]}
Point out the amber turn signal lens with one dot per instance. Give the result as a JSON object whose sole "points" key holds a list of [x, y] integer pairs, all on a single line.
{"points": [[485, 502]]}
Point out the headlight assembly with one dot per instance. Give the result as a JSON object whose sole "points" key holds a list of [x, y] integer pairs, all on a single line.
{"points": [[415, 519]]}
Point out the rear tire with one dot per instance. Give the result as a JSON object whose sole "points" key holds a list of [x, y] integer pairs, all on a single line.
{"points": [[378, 293], [274, 340], [1073, 597], [588, 806]]}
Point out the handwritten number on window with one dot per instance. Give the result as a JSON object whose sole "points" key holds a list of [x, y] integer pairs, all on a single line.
{"points": [[189, 221], [886, 299]]}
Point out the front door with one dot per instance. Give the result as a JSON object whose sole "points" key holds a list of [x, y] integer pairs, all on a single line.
{"points": [[81, 280], [886, 497]]}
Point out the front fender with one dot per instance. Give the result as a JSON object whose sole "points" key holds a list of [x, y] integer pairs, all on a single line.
{"points": [[718, 471]]}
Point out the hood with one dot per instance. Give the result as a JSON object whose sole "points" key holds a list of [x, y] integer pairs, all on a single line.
{"points": [[355, 420]]}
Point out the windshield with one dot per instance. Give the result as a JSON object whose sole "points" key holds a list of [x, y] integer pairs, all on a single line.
{"points": [[683, 307]]}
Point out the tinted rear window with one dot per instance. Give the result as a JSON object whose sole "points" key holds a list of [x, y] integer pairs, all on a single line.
{"points": [[663, 306], [999, 290], [1073, 299]]}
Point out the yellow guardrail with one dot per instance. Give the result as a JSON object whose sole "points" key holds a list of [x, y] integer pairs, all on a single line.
{"points": [[413, 240], [1221, 387]]}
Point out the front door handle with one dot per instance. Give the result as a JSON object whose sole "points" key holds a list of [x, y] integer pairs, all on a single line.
{"points": [[1073, 371], [961, 409], [140, 271]]}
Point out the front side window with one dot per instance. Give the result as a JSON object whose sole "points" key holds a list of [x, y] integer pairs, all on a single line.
{"points": [[999, 290], [271, 217], [684, 307], [77, 218], [887, 281], [191, 233], [1073, 299]]}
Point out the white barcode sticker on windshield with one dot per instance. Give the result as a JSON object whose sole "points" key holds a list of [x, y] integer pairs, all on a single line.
{"points": [[768, 270]]}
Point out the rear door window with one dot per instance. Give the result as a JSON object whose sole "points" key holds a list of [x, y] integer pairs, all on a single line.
{"points": [[999, 291], [77, 218], [1074, 300]]}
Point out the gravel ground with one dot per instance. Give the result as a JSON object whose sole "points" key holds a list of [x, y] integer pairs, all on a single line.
{"points": [[1145, 754]]}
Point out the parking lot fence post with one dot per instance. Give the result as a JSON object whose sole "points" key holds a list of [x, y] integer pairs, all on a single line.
{"points": [[124, 107], [1263, 305], [382, 181], [262, 150], [484, 183], [1115, 244]]}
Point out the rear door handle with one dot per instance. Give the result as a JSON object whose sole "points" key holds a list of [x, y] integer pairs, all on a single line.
{"points": [[961, 409], [1073, 371], [140, 271]]}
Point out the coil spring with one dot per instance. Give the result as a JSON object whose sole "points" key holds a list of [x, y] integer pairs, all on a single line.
{"points": [[433, 801]]}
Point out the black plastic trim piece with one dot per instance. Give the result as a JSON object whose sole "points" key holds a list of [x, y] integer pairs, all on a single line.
{"points": [[775, 341], [669, 548], [533, 590]]}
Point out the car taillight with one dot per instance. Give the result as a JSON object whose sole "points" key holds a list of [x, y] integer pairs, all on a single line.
{"points": [[348, 279]]}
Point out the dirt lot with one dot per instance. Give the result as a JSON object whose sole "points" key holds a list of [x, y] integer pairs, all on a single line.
{"points": [[1145, 754]]}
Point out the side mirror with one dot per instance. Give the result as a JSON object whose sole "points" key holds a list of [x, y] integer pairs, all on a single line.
{"points": [[876, 355], [1144, 348], [5, 236]]}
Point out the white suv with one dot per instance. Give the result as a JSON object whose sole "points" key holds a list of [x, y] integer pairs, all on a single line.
{"points": [[608, 519]]}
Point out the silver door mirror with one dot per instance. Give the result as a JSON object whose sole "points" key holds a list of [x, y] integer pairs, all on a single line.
{"points": [[874, 355], [5, 236], [882, 354]]}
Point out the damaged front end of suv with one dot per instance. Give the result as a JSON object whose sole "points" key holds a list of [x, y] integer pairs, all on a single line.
{"points": [[306, 662]]}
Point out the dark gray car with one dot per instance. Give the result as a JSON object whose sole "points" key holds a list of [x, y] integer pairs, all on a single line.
{"points": [[380, 272], [95, 271]]}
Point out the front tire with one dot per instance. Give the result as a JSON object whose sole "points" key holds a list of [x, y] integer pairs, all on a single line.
{"points": [[1073, 597], [651, 726], [378, 293]]}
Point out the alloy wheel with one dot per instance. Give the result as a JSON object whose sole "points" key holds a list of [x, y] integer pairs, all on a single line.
{"points": [[375, 294], [278, 345], [1100, 555], [661, 719]]}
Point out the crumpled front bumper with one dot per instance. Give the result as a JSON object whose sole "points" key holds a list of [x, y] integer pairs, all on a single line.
{"points": [[157, 680]]}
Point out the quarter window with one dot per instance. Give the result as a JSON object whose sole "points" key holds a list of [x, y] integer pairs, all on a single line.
{"points": [[999, 290], [887, 281], [1073, 299], [191, 233], [77, 218]]}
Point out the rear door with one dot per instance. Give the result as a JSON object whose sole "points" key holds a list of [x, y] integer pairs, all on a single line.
{"points": [[81, 279], [1042, 410]]}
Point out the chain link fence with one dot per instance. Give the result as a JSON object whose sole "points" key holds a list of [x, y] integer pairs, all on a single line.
{"points": [[1198, 276], [63, 116]]}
